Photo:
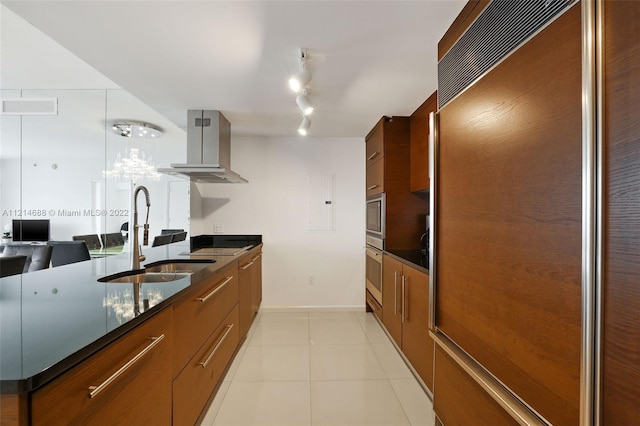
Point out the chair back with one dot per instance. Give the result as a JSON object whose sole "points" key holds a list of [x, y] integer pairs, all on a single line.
{"points": [[92, 240], [114, 239], [38, 256], [66, 252], [160, 240], [178, 236], [12, 265], [170, 231]]}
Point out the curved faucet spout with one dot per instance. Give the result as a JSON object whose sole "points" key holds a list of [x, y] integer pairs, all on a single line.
{"points": [[137, 252]]}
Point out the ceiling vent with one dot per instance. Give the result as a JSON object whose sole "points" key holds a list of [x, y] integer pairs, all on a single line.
{"points": [[29, 106]]}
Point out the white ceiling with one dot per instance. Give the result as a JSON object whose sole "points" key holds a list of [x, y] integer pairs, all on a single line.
{"points": [[367, 58]]}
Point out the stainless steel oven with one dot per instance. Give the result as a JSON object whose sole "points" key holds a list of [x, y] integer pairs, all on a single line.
{"points": [[375, 220], [374, 273]]}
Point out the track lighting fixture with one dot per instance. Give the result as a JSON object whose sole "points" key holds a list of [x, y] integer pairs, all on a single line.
{"points": [[303, 77], [303, 129], [303, 103]]}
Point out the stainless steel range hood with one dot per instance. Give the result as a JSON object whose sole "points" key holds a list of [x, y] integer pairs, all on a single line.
{"points": [[208, 150]]}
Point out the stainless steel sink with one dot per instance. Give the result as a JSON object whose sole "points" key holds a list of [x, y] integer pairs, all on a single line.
{"points": [[145, 277], [177, 267]]}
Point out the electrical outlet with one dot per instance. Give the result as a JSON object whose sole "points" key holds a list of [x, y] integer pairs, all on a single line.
{"points": [[217, 228], [312, 280]]}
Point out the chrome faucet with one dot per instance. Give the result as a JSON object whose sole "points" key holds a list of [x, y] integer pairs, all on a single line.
{"points": [[137, 250]]}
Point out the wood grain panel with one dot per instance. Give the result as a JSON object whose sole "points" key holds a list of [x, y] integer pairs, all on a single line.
{"points": [[509, 221], [465, 18], [372, 305], [194, 319], [375, 144], [621, 363], [459, 400], [417, 344], [14, 410], [391, 297], [141, 395], [375, 178], [419, 142]]}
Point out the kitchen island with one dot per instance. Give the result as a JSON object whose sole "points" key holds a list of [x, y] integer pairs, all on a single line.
{"points": [[53, 321]]}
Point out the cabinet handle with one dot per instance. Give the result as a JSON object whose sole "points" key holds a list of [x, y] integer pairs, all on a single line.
{"points": [[395, 292], [247, 265], [95, 390], [403, 305], [257, 257], [215, 349], [372, 156], [372, 187], [217, 289]]}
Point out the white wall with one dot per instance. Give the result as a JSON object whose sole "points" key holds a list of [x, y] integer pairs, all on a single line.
{"points": [[274, 204]]}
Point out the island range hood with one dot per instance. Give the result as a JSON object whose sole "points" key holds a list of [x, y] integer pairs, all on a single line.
{"points": [[208, 150]]}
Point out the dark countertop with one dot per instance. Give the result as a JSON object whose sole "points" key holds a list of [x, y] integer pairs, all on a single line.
{"points": [[413, 257], [54, 318]]}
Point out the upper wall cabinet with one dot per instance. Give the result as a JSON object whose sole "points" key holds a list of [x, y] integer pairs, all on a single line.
{"points": [[419, 141]]}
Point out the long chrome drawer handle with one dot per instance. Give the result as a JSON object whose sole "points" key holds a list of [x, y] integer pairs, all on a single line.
{"points": [[247, 265], [95, 390], [372, 187], [217, 289], [372, 156], [257, 257], [215, 349]]}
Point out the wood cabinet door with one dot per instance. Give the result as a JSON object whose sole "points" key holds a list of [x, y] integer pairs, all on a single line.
{"points": [[193, 387], [140, 392], [245, 289], [201, 311], [509, 220], [256, 282], [417, 344], [375, 144], [419, 144], [459, 400], [392, 297], [375, 178]]}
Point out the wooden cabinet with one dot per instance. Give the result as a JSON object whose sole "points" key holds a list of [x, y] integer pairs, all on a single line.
{"points": [[388, 161], [199, 312], [509, 220], [192, 389], [405, 306], [373, 305], [127, 382], [621, 263], [459, 400], [419, 144], [250, 288]]}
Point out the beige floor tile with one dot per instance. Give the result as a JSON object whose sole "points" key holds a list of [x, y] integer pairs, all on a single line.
{"points": [[344, 362], [415, 402], [373, 331], [266, 403], [354, 403], [332, 316], [280, 333], [392, 363], [336, 333], [283, 316], [215, 405], [274, 363], [235, 364]]}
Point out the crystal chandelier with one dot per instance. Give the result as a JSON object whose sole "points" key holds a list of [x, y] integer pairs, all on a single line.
{"points": [[133, 165]]}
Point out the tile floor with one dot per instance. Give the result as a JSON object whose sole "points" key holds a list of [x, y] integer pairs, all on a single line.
{"points": [[319, 368]]}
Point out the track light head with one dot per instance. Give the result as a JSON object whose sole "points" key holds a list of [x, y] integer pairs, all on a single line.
{"points": [[303, 104], [300, 80], [303, 129]]}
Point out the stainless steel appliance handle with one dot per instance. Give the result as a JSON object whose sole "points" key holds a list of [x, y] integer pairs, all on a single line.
{"points": [[395, 292], [217, 289], [215, 349], [403, 297], [372, 156], [95, 390]]}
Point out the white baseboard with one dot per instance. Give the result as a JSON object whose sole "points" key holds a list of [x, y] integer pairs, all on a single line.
{"points": [[359, 308]]}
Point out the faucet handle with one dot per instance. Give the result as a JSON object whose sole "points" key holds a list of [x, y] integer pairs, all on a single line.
{"points": [[145, 238]]}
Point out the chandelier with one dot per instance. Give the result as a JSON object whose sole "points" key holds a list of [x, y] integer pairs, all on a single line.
{"points": [[133, 165]]}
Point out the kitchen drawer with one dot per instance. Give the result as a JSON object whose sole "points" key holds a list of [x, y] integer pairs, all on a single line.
{"points": [[375, 178], [194, 385], [375, 145], [374, 305], [132, 376], [201, 312]]}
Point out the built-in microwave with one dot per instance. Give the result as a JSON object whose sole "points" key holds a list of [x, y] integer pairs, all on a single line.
{"points": [[375, 220]]}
